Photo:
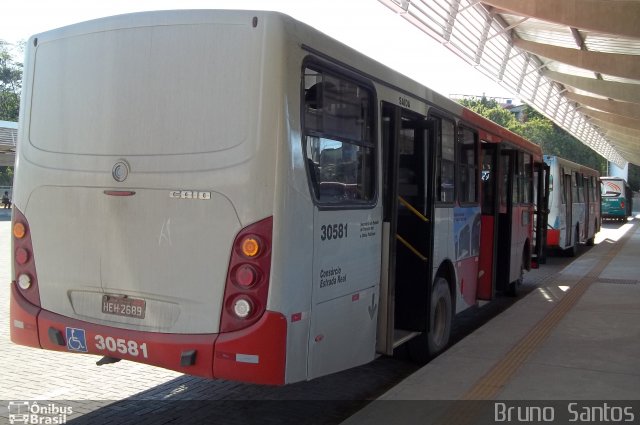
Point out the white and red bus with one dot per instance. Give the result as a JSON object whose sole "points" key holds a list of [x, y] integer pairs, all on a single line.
{"points": [[574, 205], [236, 195]]}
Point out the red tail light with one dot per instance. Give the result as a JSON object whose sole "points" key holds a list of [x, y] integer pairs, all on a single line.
{"points": [[247, 286], [621, 204], [24, 265]]}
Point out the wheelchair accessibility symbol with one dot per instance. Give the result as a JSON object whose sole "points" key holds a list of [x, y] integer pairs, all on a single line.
{"points": [[76, 340]]}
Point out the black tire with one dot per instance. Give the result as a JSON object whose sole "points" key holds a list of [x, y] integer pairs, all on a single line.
{"points": [[514, 287], [573, 250], [592, 240], [440, 317], [428, 345]]}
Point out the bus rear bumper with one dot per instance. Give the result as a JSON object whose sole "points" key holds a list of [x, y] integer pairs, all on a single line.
{"points": [[615, 215], [23, 320], [255, 354]]}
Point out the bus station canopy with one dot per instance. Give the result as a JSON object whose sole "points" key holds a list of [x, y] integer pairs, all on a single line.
{"points": [[575, 61]]}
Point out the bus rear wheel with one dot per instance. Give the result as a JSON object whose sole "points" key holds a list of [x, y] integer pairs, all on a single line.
{"points": [[573, 250], [592, 240]]}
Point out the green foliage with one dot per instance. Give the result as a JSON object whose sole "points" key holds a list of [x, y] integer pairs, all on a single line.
{"points": [[10, 84], [10, 87], [535, 127], [6, 176]]}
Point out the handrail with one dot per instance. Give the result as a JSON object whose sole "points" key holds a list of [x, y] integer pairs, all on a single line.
{"points": [[412, 209], [411, 248]]}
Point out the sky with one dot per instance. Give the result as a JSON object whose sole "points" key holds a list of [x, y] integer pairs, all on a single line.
{"points": [[365, 25]]}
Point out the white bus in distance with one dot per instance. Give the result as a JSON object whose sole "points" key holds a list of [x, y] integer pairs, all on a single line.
{"points": [[233, 194], [574, 205]]}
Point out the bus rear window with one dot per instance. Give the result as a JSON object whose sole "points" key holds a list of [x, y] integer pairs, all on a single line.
{"points": [[611, 189], [338, 122], [153, 90]]}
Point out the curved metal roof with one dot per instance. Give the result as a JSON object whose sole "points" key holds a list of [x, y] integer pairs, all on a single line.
{"points": [[575, 61]]}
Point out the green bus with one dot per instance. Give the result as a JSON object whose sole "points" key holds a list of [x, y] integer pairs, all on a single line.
{"points": [[617, 198]]}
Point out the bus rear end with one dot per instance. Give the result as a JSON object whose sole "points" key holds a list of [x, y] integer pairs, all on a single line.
{"points": [[614, 199], [135, 233]]}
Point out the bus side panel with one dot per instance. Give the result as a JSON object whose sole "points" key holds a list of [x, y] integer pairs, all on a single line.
{"points": [[346, 278], [343, 332], [444, 251], [291, 278], [292, 250], [255, 354], [578, 220], [467, 243], [24, 324], [560, 222]]}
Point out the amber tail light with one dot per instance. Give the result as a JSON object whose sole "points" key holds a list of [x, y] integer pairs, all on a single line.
{"points": [[247, 284], [24, 264]]}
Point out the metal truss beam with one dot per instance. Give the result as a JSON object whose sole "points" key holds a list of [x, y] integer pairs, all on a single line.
{"points": [[625, 66], [619, 17]]}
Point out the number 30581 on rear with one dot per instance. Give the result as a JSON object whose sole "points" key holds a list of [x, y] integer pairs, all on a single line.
{"points": [[121, 346]]}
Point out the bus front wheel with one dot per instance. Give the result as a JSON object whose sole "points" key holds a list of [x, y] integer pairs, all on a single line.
{"points": [[514, 287], [440, 317], [428, 345]]}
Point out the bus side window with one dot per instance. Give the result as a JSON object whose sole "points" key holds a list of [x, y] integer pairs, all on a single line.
{"points": [[518, 183], [488, 177], [579, 187], [562, 183], [527, 179], [338, 138], [505, 174], [467, 167], [445, 163]]}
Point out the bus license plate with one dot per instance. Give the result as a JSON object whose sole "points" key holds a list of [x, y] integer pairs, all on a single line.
{"points": [[123, 306]]}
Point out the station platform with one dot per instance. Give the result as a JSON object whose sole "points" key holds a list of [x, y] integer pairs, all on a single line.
{"points": [[575, 337]]}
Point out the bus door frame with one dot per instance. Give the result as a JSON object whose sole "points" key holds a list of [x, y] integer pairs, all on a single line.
{"points": [[542, 210], [387, 340], [487, 282], [505, 224], [567, 190], [586, 194]]}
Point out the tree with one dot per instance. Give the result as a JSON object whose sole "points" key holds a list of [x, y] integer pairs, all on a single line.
{"points": [[535, 127], [10, 84], [6, 176], [10, 87]]}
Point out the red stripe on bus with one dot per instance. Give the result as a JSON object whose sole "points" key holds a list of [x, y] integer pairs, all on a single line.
{"points": [[23, 320], [266, 341], [485, 281], [161, 349], [256, 354]]}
